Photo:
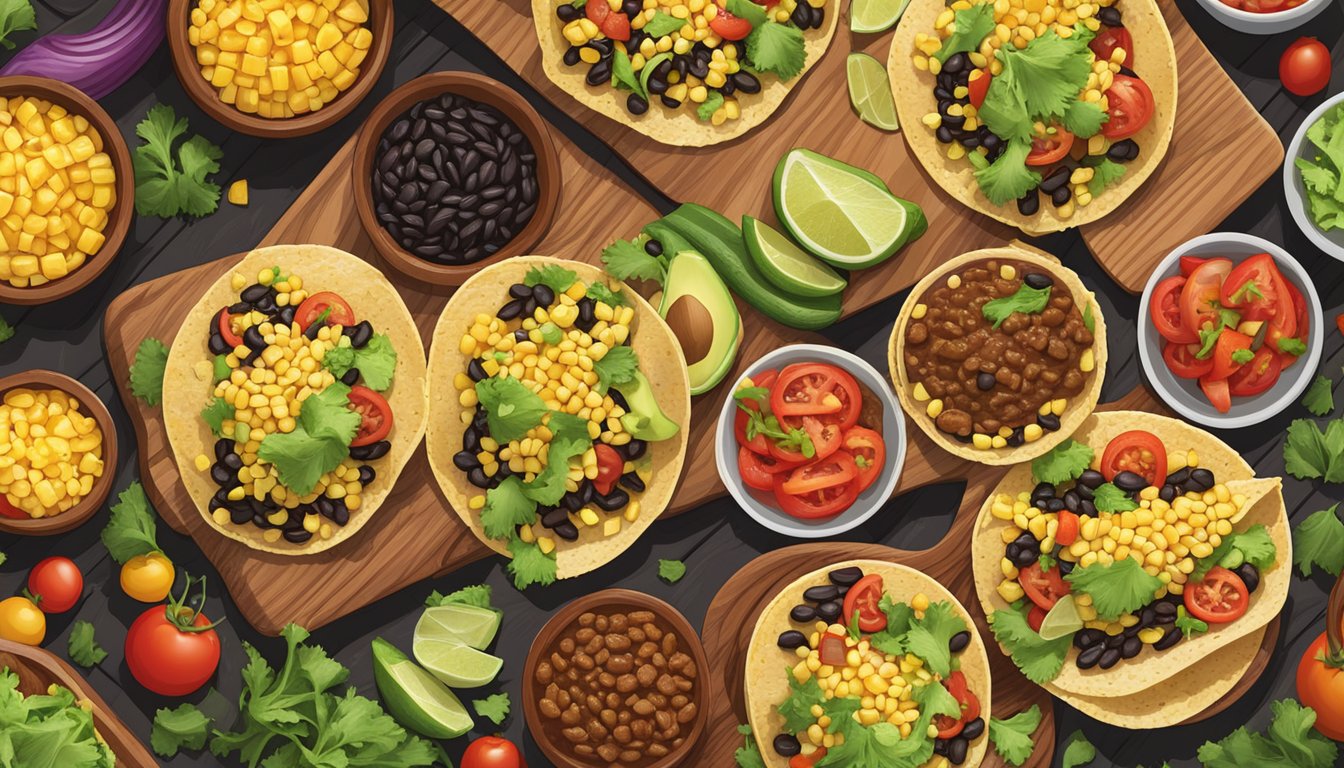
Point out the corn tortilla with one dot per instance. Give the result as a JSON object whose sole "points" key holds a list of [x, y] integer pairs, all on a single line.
{"points": [[660, 358], [188, 386]]}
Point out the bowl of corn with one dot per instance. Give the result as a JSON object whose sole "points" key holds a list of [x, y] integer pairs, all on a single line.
{"points": [[67, 190], [277, 68], [58, 455]]}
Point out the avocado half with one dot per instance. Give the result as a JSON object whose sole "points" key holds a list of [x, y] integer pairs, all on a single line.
{"points": [[700, 310]]}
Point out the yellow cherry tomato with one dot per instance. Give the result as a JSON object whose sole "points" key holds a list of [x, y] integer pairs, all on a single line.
{"points": [[22, 622], [148, 578]]}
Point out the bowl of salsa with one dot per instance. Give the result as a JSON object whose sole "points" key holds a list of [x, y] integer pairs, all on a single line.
{"points": [[1264, 17]]}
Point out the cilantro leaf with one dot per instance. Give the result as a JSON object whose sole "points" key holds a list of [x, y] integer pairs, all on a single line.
{"points": [[15, 16], [319, 442], [1242, 356], [797, 708], [671, 571], [713, 101], [176, 729], [1038, 82], [601, 292], [627, 260], [1085, 118], [478, 595], [777, 48], [1116, 589], [747, 10], [928, 637], [1295, 347], [1247, 291], [1291, 743], [748, 755], [969, 27], [130, 526], [1104, 174], [1319, 541], [1078, 751], [881, 744], [376, 361], [151, 357], [1012, 737], [510, 407], [1008, 177], [554, 276], [215, 413], [493, 708], [166, 186], [1039, 659], [222, 369], [892, 639], [530, 565], [84, 649], [1189, 625], [1027, 300], [1109, 498], [663, 24], [1309, 453], [623, 75], [1062, 463], [569, 440], [506, 508], [617, 367], [1254, 544], [1088, 321]]}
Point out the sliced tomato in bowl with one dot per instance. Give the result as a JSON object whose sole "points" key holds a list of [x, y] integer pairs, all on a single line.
{"points": [[837, 469], [817, 505], [816, 389], [759, 471], [1258, 375], [1256, 288], [1164, 308], [870, 454], [1190, 264], [1138, 451], [1181, 360], [1230, 345], [1218, 393], [1199, 296]]}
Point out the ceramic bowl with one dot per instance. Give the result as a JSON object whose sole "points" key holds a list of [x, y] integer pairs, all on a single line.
{"points": [[1331, 242], [1264, 23]]}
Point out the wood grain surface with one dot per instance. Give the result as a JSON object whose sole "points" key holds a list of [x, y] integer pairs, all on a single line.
{"points": [[1220, 143], [38, 669]]}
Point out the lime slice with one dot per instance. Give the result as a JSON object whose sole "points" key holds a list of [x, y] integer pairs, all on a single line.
{"points": [[785, 264], [867, 16], [467, 625], [842, 214], [870, 91], [1062, 620], [414, 697], [456, 664]]}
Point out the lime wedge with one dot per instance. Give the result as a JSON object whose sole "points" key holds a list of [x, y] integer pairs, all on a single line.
{"points": [[867, 16], [414, 697], [842, 214], [785, 264], [1062, 620], [870, 91], [457, 665], [467, 625]]}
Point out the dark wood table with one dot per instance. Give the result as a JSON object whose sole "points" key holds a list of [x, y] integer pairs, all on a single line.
{"points": [[713, 541]]}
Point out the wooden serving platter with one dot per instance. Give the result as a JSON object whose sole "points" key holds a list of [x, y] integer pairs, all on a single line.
{"points": [[38, 669], [1220, 143]]}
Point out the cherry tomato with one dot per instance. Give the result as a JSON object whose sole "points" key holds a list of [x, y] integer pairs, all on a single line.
{"points": [[728, 26], [1256, 376], [1110, 38], [862, 442], [807, 761], [1304, 67], [610, 466], [956, 685], [1067, 530], [759, 443], [1050, 148], [758, 471], [837, 469], [10, 511], [863, 598], [1218, 393], [977, 86], [493, 752], [831, 650], [314, 306], [1135, 451], [1181, 360], [1258, 290], [817, 389], [1320, 685], [1190, 264], [56, 583], [148, 578], [376, 415], [1229, 343], [1131, 107], [1164, 308], [22, 621], [827, 502], [1044, 588], [172, 649], [225, 322], [1035, 618], [1220, 598], [1199, 295]]}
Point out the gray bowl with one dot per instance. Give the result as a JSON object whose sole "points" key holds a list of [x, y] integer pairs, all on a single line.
{"points": [[872, 499], [1184, 395], [1264, 23], [1331, 242]]}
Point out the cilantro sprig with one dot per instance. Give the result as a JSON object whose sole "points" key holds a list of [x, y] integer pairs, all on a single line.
{"points": [[172, 181], [1027, 300], [151, 357], [760, 421], [1062, 463], [1120, 587], [1012, 737], [376, 361]]}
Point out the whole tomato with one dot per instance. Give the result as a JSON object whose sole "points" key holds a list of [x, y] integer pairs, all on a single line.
{"points": [[1305, 66], [1320, 673], [56, 584], [493, 752], [173, 649]]}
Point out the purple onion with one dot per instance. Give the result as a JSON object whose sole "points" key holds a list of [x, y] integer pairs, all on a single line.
{"points": [[97, 62]]}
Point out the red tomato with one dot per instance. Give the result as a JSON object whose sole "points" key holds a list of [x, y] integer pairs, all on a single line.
{"points": [[1220, 598], [1135, 451], [1110, 38], [1035, 618], [831, 650], [1339, 322], [1190, 263], [977, 86], [597, 14], [1050, 148], [172, 649], [314, 306], [1043, 587], [1220, 396], [1067, 531], [225, 322], [1181, 360], [1200, 294], [1131, 107], [864, 442], [804, 761], [610, 467], [1304, 67], [1164, 308], [863, 598], [1256, 376], [956, 685], [493, 751], [837, 469], [760, 443], [817, 389], [617, 26], [1229, 343], [56, 584], [728, 26], [825, 435], [1320, 685], [827, 502], [10, 511], [1257, 288], [759, 471], [375, 413]]}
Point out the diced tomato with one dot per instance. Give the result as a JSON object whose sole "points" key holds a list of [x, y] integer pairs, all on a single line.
{"points": [[1035, 618], [868, 444], [863, 598], [1258, 375], [1067, 531], [1137, 451], [610, 466], [837, 469], [1190, 263], [1044, 588], [1131, 107], [816, 389], [728, 26], [1229, 343], [807, 761], [225, 322], [1220, 397], [1258, 290], [1051, 147], [617, 26], [1110, 38], [1199, 296], [825, 435], [760, 443], [978, 86], [1181, 360], [751, 467], [1339, 322], [1164, 308], [831, 650], [375, 415]]}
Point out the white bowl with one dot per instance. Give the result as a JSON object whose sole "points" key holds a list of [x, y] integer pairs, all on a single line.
{"points": [[1331, 242], [1264, 23], [1184, 395], [868, 502]]}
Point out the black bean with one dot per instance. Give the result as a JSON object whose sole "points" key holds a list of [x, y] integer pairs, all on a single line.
{"points": [[1061, 196], [1028, 204], [985, 381], [465, 461], [820, 594], [1054, 505], [1123, 150], [635, 448], [1018, 437], [223, 448], [636, 104], [1109, 658], [568, 13], [254, 293], [1109, 16], [367, 474], [1048, 421], [350, 377], [653, 247], [1201, 480], [1091, 478], [972, 730], [1086, 638], [476, 371], [940, 747], [955, 63], [845, 577], [297, 535], [1088, 658], [510, 310], [1042, 491], [371, 451], [567, 531], [221, 474], [1250, 575], [803, 614], [1056, 180], [829, 612], [614, 501], [1115, 641], [786, 745], [476, 476], [1172, 637], [1167, 493], [956, 750], [544, 295], [633, 482], [791, 639], [1131, 648], [1129, 482], [553, 517], [958, 642]]}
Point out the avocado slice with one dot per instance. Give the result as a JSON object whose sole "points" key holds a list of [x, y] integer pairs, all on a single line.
{"points": [[644, 419], [700, 310]]}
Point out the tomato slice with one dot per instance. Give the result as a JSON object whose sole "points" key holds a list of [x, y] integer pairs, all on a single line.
{"points": [[617, 26], [610, 467], [1257, 288], [10, 511], [760, 443], [1051, 147], [375, 413], [816, 389], [826, 436], [862, 442], [1110, 38], [1229, 343], [831, 650], [977, 85], [1035, 618], [1067, 530], [1164, 308], [1044, 588], [728, 26], [754, 470], [863, 598], [837, 469], [1181, 360], [1199, 296], [817, 505], [1136, 451], [225, 322], [1220, 598], [1190, 263], [328, 303], [1256, 376], [949, 727], [1131, 107], [1218, 393]]}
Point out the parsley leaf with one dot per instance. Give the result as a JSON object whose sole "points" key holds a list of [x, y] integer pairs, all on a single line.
{"points": [[1295, 347], [493, 708], [1116, 589], [84, 649], [15, 16], [711, 103], [376, 361], [748, 11], [176, 729], [1038, 82], [1026, 300], [1309, 453], [1008, 177], [1088, 321], [663, 24], [1104, 174], [1109, 498], [554, 276], [1242, 356], [1254, 545], [569, 439], [1062, 463], [130, 526], [530, 565], [892, 638], [215, 413], [1319, 541], [671, 571], [510, 407], [777, 48], [151, 357], [748, 755], [166, 186], [1189, 625], [1291, 741], [1039, 659], [601, 292], [319, 442], [797, 708], [506, 508], [627, 260], [478, 595], [928, 637], [617, 367], [1012, 737], [623, 75], [1084, 118], [969, 27], [1079, 751]]}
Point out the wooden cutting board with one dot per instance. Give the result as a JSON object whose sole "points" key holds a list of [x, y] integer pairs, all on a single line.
{"points": [[38, 669], [1221, 152]]}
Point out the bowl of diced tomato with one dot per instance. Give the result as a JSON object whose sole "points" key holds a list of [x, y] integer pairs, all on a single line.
{"points": [[1264, 17], [810, 441], [1229, 329]]}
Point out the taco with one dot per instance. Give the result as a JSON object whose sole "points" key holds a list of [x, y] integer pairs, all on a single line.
{"points": [[293, 396], [685, 74], [566, 434], [908, 674], [1043, 114], [999, 354], [1115, 564]]}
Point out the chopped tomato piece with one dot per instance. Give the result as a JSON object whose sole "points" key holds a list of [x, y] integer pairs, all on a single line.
{"points": [[1043, 587], [1181, 360], [1220, 397], [863, 598], [1164, 308], [1137, 451], [1258, 375], [1225, 351]]}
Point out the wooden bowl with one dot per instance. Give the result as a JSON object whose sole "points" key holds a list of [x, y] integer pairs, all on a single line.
{"points": [[205, 96], [119, 219], [478, 88], [608, 600], [90, 405], [38, 669]]}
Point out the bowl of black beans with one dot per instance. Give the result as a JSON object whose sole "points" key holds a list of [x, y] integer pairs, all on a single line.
{"points": [[453, 172]]}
